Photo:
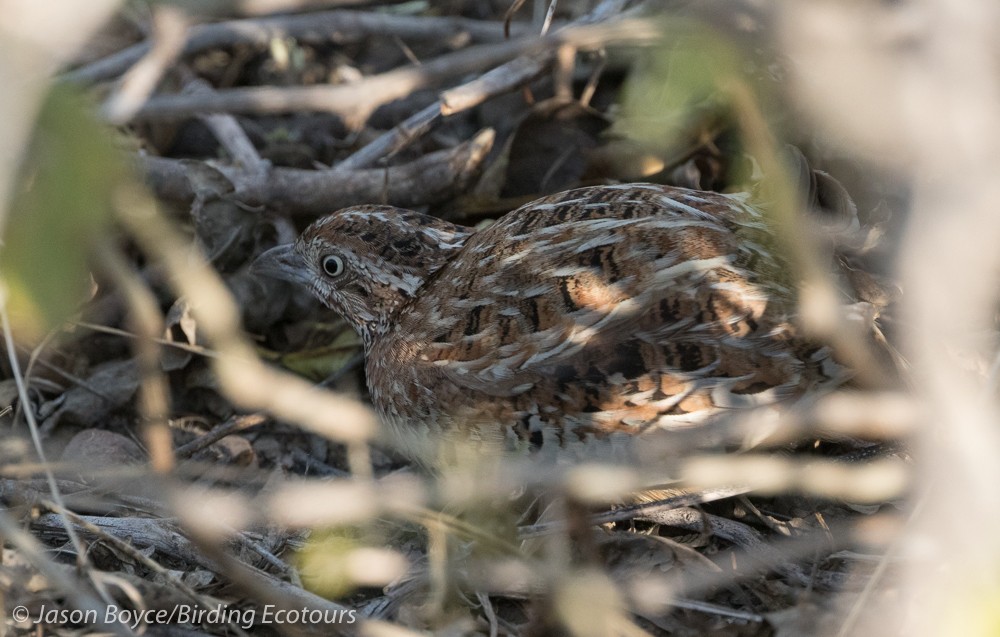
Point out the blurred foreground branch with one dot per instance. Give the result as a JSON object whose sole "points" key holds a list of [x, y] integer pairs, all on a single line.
{"points": [[915, 88]]}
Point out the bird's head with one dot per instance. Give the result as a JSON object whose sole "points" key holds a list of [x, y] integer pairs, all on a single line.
{"points": [[366, 262]]}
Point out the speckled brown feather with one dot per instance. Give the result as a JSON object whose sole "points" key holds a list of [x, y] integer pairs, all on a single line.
{"points": [[577, 317]]}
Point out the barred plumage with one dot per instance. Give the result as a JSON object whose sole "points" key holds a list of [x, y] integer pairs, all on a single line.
{"points": [[580, 316]]}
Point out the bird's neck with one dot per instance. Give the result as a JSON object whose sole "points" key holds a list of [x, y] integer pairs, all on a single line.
{"points": [[372, 332], [372, 321], [396, 291]]}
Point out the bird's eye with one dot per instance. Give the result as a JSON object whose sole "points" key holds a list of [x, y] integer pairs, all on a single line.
{"points": [[332, 265]]}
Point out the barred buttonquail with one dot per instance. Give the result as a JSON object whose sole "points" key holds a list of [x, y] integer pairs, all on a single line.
{"points": [[575, 318]]}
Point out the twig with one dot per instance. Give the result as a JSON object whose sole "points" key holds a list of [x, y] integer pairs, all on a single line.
{"points": [[844, 414], [715, 609], [234, 424], [266, 588], [354, 102], [390, 143], [315, 466], [432, 178], [253, 171], [36, 439], [498, 81], [761, 556], [565, 60], [508, 16], [126, 545], [868, 482], [549, 13], [77, 496], [105, 329], [645, 509], [159, 533], [878, 577], [337, 26], [144, 318], [229, 133], [244, 379], [35, 553], [169, 27], [259, 7], [590, 89], [55, 369]]}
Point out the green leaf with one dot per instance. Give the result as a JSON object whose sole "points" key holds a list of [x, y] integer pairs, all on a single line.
{"points": [[679, 83], [322, 562], [63, 201]]}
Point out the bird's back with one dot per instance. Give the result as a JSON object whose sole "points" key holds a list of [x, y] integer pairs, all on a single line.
{"points": [[595, 312]]}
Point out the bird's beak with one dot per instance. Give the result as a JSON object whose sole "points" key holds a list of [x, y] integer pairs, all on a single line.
{"points": [[282, 262]]}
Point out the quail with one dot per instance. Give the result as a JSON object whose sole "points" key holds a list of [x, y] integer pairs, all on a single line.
{"points": [[590, 315]]}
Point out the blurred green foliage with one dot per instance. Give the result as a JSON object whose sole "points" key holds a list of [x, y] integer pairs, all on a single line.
{"points": [[320, 362], [63, 202], [699, 88], [679, 85], [323, 561], [973, 610]]}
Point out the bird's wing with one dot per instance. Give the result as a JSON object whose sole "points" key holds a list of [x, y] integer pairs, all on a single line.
{"points": [[591, 284]]}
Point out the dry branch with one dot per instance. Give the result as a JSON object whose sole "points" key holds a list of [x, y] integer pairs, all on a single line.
{"points": [[500, 80], [231, 426], [432, 178], [354, 102], [165, 538], [169, 27], [337, 27], [143, 532], [75, 587]]}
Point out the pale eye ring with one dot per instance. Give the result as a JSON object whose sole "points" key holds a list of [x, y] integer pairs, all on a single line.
{"points": [[332, 265]]}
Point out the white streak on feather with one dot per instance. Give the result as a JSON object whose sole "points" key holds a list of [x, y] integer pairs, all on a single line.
{"points": [[665, 274], [673, 203], [517, 256], [597, 242], [468, 304], [569, 270], [579, 336]]}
